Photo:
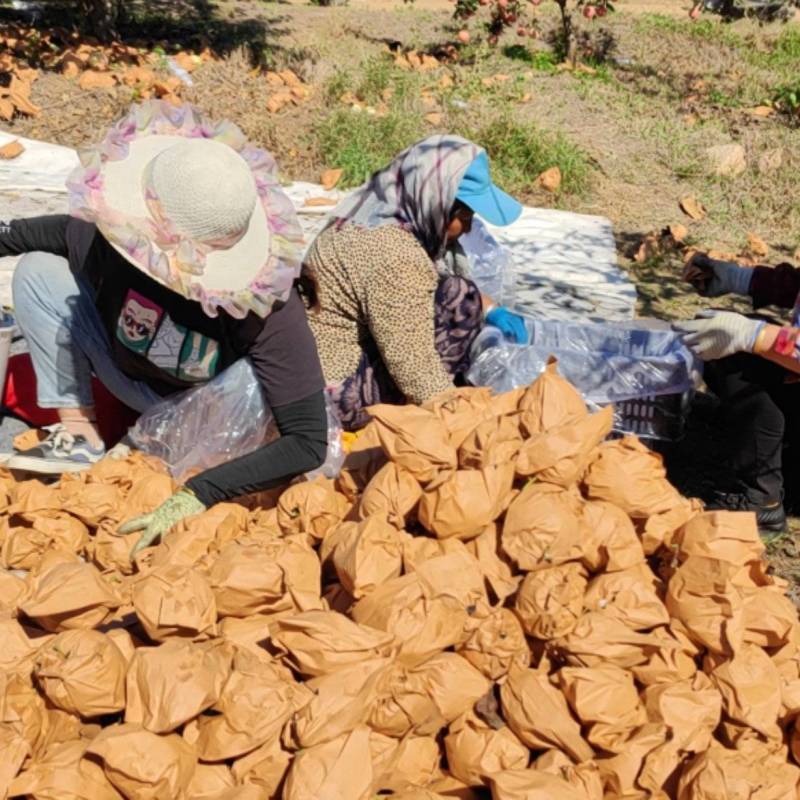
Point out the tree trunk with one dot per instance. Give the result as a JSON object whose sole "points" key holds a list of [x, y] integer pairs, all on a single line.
{"points": [[101, 18], [569, 43]]}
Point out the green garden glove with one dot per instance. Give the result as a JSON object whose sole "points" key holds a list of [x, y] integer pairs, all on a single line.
{"points": [[159, 522]]}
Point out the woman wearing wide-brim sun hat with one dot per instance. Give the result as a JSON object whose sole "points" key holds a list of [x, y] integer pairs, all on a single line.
{"points": [[178, 259]]}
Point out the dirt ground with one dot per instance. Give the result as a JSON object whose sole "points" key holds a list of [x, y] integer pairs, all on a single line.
{"points": [[661, 92]]}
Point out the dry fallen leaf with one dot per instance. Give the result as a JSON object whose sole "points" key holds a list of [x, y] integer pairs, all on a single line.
{"points": [[757, 246], [678, 232], [550, 179], [91, 79], [273, 79], [434, 118], [139, 76], [313, 202], [6, 109], [11, 150], [649, 248], [187, 61], [693, 208], [445, 82], [760, 111], [329, 178]]}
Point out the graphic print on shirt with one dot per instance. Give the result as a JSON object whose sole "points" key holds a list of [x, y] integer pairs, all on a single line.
{"points": [[146, 329], [138, 322]]}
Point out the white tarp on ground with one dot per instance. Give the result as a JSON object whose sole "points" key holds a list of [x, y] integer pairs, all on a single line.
{"points": [[558, 265]]}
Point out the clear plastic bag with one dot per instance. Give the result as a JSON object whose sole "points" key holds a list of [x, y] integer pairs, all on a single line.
{"points": [[217, 422], [490, 263], [638, 366]]}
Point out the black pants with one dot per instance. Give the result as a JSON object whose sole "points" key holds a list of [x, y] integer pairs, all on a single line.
{"points": [[761, 413]]}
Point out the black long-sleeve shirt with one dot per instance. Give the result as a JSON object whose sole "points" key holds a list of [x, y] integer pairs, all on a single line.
{"points": [[159, 337]]}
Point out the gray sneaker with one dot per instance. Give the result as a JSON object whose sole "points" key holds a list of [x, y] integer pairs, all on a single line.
{"points": [[60, 452]]}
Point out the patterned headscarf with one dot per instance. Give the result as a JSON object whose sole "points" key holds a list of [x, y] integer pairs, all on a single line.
{"points": [[416, 191]]}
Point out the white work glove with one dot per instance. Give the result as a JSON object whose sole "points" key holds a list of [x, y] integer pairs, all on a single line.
{"points": [[718, 334], [714, 278]]}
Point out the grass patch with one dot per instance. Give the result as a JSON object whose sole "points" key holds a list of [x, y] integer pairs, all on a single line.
{"points": [[540, 60], [707, 30], [360, 143], [520, 152]]}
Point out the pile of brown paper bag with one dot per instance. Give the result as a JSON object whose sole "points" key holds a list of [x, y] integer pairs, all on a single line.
{"points": [[493, 600]]}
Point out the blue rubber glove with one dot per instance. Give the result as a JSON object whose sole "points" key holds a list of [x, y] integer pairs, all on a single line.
{"points": [[510, 324]]}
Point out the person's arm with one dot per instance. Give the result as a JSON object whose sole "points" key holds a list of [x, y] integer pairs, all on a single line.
{"points": [[301, 447], [775, 286], [46, 234], [779, 345], [399, 306]]}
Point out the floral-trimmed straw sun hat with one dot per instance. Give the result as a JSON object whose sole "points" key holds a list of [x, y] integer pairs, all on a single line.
{"points": [[193, 205]]}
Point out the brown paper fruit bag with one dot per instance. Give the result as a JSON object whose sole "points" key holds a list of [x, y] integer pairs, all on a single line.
{"points": [[750, 686], [606, 701], [422, 620], [561, 455], [461, 410], [337, 770], [550, 402], [110, 551], [12, 589], [690, 709], [423, 700], [64, 773], [414, 762], [175, 601], [69, 596], [496, 568], [415, 439], [393, 493], [497, 644], [584, 777], [610, 542], [340, 702], [550, 601], [91, 502], [672, 663], [361, 463], [15, 750], [632, 477], [255, 703], [542, 528], [728, 536], [531, 784], [538, 714], [494, 442], [265, 768], [17, 648], [321, 642], [722, 774], [476, 751], [210, 781], [25, 542], [368, 555], [598, 640], [312, 507], [142, 764], [629, 596], [24, 710], [252, 579], [702, 596], [659, 530], [770, 618], [173, 683], [621, 772], [82, 672], [466, 502]]}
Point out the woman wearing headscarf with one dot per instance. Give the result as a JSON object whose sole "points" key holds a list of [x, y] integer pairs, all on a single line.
{"points": [[392, 309], [179, 258]]}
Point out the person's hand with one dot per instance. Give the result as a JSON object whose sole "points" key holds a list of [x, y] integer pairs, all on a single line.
{"points": [[159, 522], [511, 325], [718, 334], [714, 278]]}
